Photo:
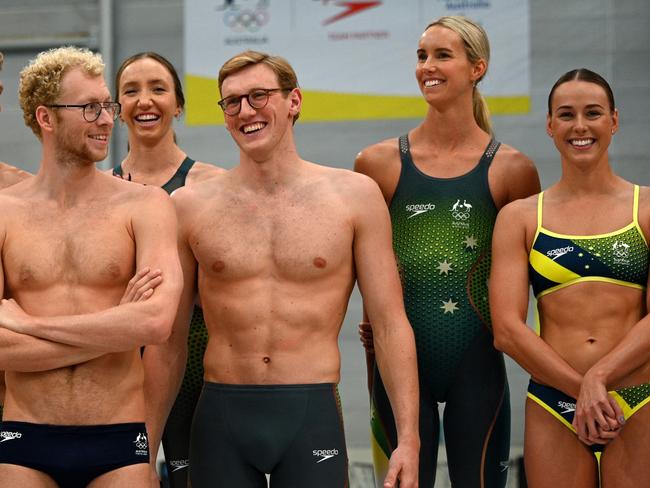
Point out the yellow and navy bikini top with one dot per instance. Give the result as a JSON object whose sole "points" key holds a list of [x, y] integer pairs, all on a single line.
{"points": [[559, 260]]}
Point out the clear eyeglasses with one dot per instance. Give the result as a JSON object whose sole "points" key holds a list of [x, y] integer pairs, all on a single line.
{"points": [[258, 98], [91, 111]]}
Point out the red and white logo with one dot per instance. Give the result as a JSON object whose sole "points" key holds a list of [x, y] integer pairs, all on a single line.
{"points": [[351, 8]]}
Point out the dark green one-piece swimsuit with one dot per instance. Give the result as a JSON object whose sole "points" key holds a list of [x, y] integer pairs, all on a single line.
{"points": [[176, 436], [442, 233]]}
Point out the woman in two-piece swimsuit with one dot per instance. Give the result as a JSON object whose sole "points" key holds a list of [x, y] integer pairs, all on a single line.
{"points": [[582, 245]]}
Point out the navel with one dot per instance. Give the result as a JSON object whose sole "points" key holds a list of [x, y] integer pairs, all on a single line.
{"points": [[266, 359], [320, 262]]}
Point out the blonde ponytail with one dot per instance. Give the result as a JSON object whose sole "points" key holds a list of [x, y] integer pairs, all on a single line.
{"points": [[481, 111]]}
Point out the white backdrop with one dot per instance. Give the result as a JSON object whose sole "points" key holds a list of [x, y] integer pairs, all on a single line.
{"points": [[364, 49]]}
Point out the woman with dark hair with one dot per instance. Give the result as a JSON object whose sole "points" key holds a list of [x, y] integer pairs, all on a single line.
{"points": [[151, 94], [444, 183], [582, 245], [150, 91]]}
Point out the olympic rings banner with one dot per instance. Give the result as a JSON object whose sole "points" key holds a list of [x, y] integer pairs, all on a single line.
{"points": [[355, 60]]}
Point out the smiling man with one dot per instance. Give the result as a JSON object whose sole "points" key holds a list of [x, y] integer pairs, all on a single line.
{"points": [[71, 238], [278, 243]]}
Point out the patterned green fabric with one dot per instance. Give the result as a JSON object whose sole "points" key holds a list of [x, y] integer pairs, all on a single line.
{"points": [[193, 379], [442, 233], [634, 395]]}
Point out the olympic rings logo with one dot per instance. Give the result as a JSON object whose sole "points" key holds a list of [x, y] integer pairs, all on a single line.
{"points": [[246, 20], [621, 249], [141, 441], [460, 215]]}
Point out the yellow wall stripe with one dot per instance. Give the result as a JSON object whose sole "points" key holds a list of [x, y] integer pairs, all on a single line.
{"points": [[202, 109]]}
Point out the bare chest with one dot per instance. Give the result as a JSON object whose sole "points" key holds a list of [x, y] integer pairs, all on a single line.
{"points": [[590, 217], [82, 247], [294, 241]]}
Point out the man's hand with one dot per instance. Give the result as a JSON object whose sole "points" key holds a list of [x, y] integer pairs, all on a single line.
{"points": [[12, 317], [365, 334], [142, 285], [403, 467]]}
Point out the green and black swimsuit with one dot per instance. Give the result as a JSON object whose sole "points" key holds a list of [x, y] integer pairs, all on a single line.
{"points": [[442, 235]]}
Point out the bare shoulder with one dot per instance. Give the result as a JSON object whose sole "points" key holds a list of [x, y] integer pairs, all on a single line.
{"points": [[8, 199], [382, 163], [346, 177], [10, 175], [521, 213], [512, 176], [200, 203], [644, 197], [352, 189], [16, 199], [508, 159], [16, 187], [377, 157], [644, 209], [133, 195], [198, 194], [202, 171], [523, 206]]}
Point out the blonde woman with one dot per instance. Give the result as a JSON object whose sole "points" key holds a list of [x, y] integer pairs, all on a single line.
{"points": [[444, 183]]}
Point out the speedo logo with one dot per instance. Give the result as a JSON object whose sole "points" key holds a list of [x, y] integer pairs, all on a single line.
{"points": [[560, 251], [9, 436], [178, 464], [419, 208], [325, 454], [568, 407]]}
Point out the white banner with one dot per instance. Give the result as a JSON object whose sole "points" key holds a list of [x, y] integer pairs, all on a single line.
{"points": [[354, 59]]}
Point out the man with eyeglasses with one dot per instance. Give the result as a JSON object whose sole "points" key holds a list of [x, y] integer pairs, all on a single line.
{"points": [[72, 320], [278, 243]]}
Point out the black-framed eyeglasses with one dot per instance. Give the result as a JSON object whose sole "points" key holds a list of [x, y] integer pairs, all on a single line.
{"points": [[257, 98], [91, 111]]}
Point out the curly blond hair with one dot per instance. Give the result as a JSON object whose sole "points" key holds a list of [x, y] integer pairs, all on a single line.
{"points": [[40, 80]]}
